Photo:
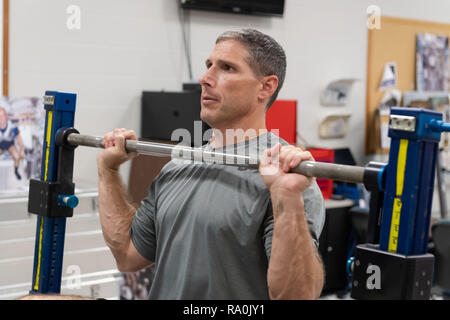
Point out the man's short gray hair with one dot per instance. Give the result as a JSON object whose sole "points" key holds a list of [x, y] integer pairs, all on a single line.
{"points": [[266, 56]]}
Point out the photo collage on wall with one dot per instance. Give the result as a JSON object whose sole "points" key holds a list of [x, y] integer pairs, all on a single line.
{"points": [[22, 122], [432, 62], [432, 81]]}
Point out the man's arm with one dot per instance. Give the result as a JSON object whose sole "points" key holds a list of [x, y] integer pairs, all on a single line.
{"points": [[295, 268], [116, 212]]}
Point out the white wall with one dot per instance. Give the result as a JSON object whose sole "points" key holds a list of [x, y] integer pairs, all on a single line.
{"points": [[124, 47]]}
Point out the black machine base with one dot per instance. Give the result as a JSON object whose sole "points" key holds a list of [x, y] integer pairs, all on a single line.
{"points": [[384, 275]]}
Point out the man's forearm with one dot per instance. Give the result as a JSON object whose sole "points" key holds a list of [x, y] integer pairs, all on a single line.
{"points": [[116, 212], [295, 270]]}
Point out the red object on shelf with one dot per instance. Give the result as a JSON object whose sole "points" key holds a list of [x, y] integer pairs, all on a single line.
{"points": [[324, 155], [282, 115]]}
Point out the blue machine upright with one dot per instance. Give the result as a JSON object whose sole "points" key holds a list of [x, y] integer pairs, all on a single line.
{"points": [[51, 221], [409, 181]]}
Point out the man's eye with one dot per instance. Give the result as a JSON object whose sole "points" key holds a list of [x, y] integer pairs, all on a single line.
{"points": [[228, 67]]}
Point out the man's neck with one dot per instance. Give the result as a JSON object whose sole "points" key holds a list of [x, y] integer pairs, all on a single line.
{"points": [[237, 132]]}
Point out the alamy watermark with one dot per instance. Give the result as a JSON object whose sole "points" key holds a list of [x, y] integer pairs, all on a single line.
{"points": [[73, 281], [74, 19], [240, 156], [373, 281]]}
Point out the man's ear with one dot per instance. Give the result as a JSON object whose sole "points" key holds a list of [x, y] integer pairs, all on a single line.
{"points": [[269, 85]]}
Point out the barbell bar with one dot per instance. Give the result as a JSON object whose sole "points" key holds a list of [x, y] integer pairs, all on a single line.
{"points": [[344, 173]]}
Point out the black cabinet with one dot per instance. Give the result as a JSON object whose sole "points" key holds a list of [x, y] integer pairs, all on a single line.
{"points": [[334, 244]]}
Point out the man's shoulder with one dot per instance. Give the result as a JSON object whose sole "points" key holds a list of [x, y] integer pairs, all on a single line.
{"points": [[172, 165]]}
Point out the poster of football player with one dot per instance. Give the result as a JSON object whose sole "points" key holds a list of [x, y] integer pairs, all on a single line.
{"points": [[22, 122]]}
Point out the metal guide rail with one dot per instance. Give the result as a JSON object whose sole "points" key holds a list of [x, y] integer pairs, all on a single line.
{"points": [[333, 171]]}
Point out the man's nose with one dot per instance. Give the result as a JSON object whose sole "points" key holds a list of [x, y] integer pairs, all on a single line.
{"points": [[207, 79]]}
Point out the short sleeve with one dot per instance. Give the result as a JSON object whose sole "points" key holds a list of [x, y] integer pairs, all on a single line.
{"points": [[314, 211], [143, 231]]}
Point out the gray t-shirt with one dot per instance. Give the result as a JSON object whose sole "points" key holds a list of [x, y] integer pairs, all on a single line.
{"points": [[208, 227]]}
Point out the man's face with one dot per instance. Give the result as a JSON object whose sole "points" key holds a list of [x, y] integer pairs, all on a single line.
{"points": [[229, 86]]}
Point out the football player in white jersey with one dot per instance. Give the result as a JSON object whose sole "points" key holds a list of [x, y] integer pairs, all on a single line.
{"points": [[9, 134]]}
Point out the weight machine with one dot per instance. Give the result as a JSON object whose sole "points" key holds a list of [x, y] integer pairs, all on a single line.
{"points": [[400, 208]]}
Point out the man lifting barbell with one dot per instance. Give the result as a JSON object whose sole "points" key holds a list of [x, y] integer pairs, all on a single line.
{"points": [[219, 232]]}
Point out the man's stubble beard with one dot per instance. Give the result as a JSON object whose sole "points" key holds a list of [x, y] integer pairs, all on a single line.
{"points": [[225, 117]]}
